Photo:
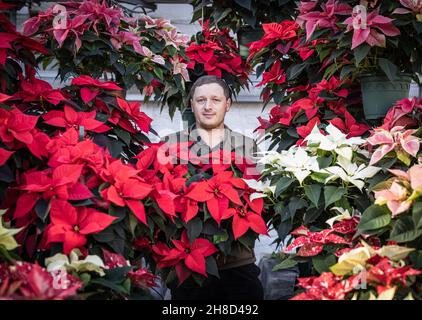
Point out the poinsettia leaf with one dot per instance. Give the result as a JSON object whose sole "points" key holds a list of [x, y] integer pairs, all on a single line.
{"points": [[247, 4], [312, 214], [323, 263], [361, 52], [42, 208], [194, 228], [284, 229], [285, 264], [118, 274], [389, 68], [211, 266], [109, 284], [374, 218], [404, 230], [294, 71], [294, 205], [282, 185], [6, 175], [313, 192], [333, 194], [417, 214]]}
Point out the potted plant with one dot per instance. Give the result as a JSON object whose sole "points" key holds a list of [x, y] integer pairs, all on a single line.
{"points": [[243, 17], [378, 42], [102, 41]]}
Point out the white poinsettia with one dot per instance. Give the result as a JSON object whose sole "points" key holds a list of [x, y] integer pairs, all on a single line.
{"points": [[72, 263], [335, 140], [264, 187], [344, 215], [350, 172], [297, 161]]}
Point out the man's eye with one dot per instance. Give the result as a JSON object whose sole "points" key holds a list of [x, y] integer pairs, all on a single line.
{"points": [[217, 100]]}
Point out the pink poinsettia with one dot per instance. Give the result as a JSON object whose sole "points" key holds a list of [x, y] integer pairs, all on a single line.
{"points": [[401, 114], [395, 198], [396, 140], [371, 30], [327, 18], [411, 5], [398, 197]]}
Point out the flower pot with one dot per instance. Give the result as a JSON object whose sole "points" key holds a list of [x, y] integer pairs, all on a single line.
{"points": [[245, 37], [379, 94]]}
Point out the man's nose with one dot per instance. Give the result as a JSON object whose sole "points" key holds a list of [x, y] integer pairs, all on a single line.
{"points": [[208, 105]]}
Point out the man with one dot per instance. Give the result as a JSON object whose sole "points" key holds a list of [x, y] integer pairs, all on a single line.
{"points": [[210, 101]]}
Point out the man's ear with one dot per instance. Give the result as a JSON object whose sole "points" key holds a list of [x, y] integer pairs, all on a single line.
{"points": [[229, 104]]}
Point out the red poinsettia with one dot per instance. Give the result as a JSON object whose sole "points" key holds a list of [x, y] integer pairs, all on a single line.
{"points": [[70, 118], [275, 75], [285, 30], [15, 125], [25, 281], [327, 286], [245, 219], [36, 90], [70, 225], [217, 192], [384, 275], [133, 110], [350, 125], [192, 254], [59, 183], [91, 87], [143, 278], [312, 243], [126, 189]]}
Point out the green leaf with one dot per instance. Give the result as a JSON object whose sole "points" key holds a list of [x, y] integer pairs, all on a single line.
{"points": [[417, 214], [109, 284], [323, 263], [247, 4], [404, 230], [293, 71], [211, 266], [319, 176], [217, 238], [282, 185], [194, 228], [42, 208], [313, 192], [373, 218], [361, 52], [345, 71], [285, 264], [311, 215], [389, 68], [332, 194]]}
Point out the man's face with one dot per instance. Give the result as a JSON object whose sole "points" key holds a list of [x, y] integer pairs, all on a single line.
{"points": [[209, 104]]}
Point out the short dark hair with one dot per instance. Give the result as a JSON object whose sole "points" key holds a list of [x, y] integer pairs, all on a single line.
{"points": [[207, 80]]}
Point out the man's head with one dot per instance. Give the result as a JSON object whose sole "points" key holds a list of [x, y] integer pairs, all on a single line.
{"points": [[210, 100]]}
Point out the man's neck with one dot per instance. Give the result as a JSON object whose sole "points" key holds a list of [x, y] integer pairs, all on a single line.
{"points": [[211, 137]]}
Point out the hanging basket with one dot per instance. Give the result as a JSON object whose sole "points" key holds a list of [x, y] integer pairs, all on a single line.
{"points": [[379, 94]]}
